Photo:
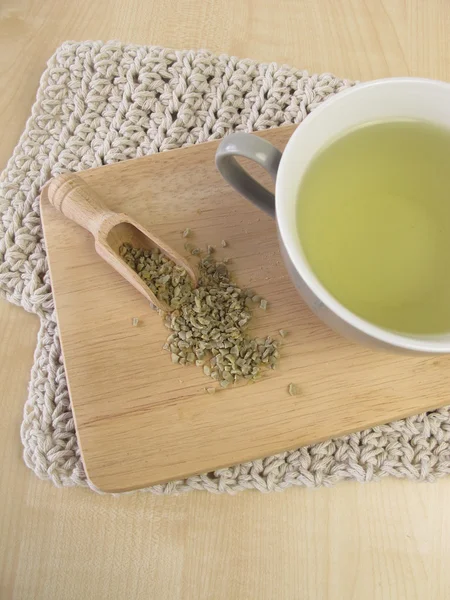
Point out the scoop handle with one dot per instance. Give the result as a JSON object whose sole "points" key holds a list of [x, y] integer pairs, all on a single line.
{"points": [[78, 202]]}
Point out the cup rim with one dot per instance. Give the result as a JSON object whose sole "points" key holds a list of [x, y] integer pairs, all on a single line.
{"points": [[428, 344]]}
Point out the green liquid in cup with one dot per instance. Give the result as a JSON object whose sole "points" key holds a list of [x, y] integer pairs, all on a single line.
{"points": [[373, 216]]}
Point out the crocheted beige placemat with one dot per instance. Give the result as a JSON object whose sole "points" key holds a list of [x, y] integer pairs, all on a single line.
{"points": [[98, 104]]}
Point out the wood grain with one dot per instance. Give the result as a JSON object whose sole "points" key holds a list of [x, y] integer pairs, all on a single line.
{"points": [[78, 202], [142, 420], [387, 540]]}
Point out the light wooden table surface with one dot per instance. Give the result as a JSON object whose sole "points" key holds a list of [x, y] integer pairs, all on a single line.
{"points": [[386, 541]]}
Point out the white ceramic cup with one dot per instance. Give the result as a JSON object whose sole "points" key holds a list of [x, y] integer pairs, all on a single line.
{"points": [[385, 99]]}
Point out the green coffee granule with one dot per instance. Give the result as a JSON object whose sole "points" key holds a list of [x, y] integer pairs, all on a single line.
{"points": [[293, 389]]}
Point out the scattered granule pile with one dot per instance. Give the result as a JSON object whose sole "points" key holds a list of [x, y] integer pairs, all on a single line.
{"points": [[208, 323]]}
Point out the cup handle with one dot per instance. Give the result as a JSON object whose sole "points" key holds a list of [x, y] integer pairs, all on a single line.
{"points": [[258, 150]]}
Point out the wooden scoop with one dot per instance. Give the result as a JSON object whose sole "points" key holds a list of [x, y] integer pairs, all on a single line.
{"points": [[77, 201]]}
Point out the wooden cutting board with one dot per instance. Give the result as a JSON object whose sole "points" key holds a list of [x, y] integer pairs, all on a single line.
{"points": [[142, 420]]}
